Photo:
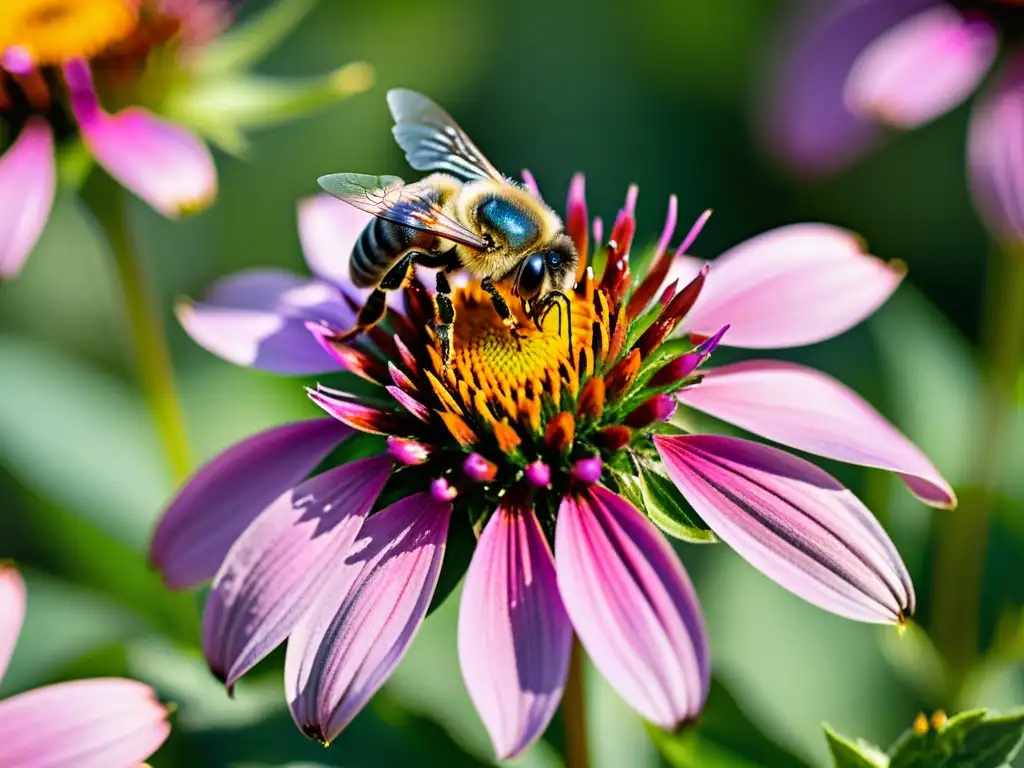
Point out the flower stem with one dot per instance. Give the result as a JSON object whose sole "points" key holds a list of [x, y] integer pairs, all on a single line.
{"points": [[149, 344], [574, 712], [962, 536]]}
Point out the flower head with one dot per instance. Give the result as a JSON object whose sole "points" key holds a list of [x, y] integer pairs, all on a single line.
{"points": [[102, 723], [850, 69], [61, 59], [563, 459]]}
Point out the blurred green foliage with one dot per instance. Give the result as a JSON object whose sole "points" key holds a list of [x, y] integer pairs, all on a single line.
{"points": [[656, 92]]}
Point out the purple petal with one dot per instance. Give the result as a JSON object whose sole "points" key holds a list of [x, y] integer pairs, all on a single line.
{"points": [[166, 165], [806, 119], [220, 500], [921, 68], [102, 723], [258, 318], [351, 640], [994, 153], [28, 178], [633, 606], [807, 410], [794, 523], [12, 612], [328, 230], [792, 286], [514, 634], [276, 568]]}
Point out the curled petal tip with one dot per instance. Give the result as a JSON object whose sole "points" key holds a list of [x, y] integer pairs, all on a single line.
{"points": [[538, 474], [587, 471], [407, 451], [18, 60], [478, 469], [442, 491]]}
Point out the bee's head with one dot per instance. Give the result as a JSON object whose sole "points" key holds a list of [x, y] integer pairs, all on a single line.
{"points": [[551, 268]]}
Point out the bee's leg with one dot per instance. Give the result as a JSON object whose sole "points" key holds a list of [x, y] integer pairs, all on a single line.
{"points": [[445, 316], [556, 300], [500, 306], [376, 306]]}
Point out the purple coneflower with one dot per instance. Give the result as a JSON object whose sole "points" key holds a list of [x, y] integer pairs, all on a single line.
{"points": [[854, 67], [58, 58], [100, 723], [562, 462]]}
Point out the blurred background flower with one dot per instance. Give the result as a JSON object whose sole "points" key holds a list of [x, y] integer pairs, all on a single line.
{"points": [[653, 92]]}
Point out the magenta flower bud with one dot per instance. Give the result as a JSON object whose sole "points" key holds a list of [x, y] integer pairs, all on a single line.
{"points": [[538, 474], [658, 408], [478, 469], [442, 491], [408, 452], [587, 471]]}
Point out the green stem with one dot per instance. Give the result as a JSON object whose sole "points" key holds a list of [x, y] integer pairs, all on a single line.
{"points": [[962, 537], [574, 713], [149, 344]]}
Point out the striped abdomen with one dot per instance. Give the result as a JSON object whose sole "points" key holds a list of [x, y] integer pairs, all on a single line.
{"points": [[378, 247]]}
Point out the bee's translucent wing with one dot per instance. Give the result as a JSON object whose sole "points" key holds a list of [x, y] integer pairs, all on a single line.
{"points": [[391, 198], [433, 141]]}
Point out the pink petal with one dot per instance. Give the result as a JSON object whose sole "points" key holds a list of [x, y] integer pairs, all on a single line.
{"points": [[792, 286], [276, 568], [12, 611], [102, 723], [221, 499], [258, 318], [28, 178], [996, 155], [514, 634], [166, 165], [328, 230], [794, 523], [807, 410], [351, 640], [806, 120], [921, 68], [632, 605]]}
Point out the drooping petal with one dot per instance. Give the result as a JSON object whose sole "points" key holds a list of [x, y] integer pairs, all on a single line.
{"points": [[514, 634], [921, 68], [258, 318], [166, 165], [632, 605], [996, 161], [277, 567], [806, 119], [328, 230], [102, 723], [220, 500], [355, 634], [794, 523], [810, 411], [28, 178], [792, 286], [12, 611]]}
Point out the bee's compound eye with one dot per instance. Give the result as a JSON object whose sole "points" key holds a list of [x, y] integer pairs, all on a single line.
{"points": [[531, 277]]}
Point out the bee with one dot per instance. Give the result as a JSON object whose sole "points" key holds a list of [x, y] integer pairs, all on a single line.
{"points": [[464, 216]]}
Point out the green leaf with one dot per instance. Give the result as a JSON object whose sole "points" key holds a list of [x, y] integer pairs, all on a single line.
{"points": [[664, 504], [975, 739], [248, 42], [723, 737], [850, 754]]}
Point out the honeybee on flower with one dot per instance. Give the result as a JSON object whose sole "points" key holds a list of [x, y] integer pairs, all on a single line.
{"points": [[563, 464]]}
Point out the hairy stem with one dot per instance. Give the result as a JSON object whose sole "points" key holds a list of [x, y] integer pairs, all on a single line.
{"points": [[149, 344], [574, 713], [962, 536]]}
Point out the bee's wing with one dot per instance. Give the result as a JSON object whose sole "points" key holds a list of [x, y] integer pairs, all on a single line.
{"points": [[391, 198], [433, 141]]}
